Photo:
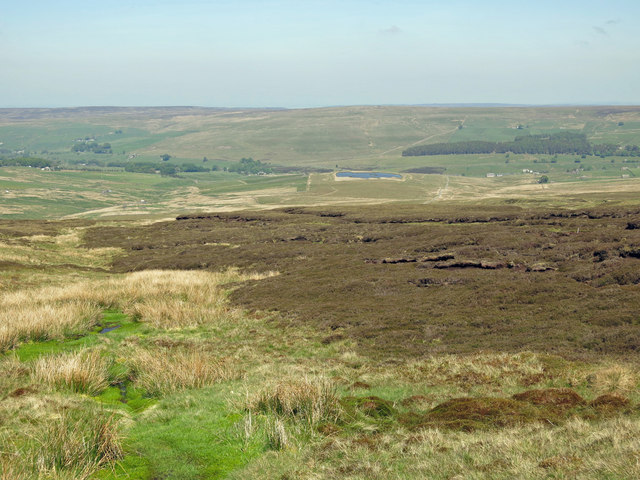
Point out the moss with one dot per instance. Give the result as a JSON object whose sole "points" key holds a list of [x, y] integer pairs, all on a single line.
{"points": [[563, 397], [610, 401], [370, 406], [126, 327], [469, 414]]}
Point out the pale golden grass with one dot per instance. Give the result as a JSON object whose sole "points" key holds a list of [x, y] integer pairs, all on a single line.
{"points": [[615, 379], [162, 371], [164, 299], [11, 366], [179, 299], [34, 321], [202, 288], [64, 249], [58, 440], [581, 450], [56, 436], [482, 372], [277, 436], [309, 401], [487, 367], [85, 372]]}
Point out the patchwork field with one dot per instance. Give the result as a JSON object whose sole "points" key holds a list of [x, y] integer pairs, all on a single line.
{"points": [[353, 137], [295, 325]]}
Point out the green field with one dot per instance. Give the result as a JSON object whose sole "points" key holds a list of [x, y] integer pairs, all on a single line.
{"points": [[361, 138], [347, 136]]}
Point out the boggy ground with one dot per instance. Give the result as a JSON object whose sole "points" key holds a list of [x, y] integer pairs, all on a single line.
{"points": [[407, 281]]}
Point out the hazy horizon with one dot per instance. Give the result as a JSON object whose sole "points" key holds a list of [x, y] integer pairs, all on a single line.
{"points": [[276, 107], [285, 54]]}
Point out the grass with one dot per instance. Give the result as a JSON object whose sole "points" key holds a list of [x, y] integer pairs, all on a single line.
{"points": [[362, 371], [91, 371], [369, 138], [161, 298], [576, 450], [310, 402], [84, 372], [189, 369], [188, 435], [62, 439], [22, 323]]}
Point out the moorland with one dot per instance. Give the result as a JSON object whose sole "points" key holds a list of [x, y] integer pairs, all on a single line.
{"points": [[476, 318]]}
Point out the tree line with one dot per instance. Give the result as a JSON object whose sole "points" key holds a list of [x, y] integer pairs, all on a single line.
{"points": [[165, 169], [93, 146], [557, 143], [249, 166], [26, 162]]}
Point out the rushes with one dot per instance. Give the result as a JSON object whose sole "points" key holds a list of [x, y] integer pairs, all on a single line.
{"points": [[22, 322], [616, 378], [294, 408], [71, 443], [307, 401], [167, 313], [91, 439], [277, 437], [85, 372], [162, 298], [165, 371], [179, 299]]}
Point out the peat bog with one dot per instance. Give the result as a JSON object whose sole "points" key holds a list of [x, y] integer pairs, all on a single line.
{"points": [[407, 281]]}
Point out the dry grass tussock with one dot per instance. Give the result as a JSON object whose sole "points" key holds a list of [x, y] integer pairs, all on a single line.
{"points": [[86, 372], [309, 401], [162, 371], [66, 444], [49, 250], [578, 449], [486, 368], [177, 299], [165, 299], [34, 321], [616, 378]]}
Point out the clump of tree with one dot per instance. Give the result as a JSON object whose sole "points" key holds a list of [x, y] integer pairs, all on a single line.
{"points": [[27, 162], [249, 166], [92, 146], [190, 167], [554, 144], [165, 157], [150, 167]]}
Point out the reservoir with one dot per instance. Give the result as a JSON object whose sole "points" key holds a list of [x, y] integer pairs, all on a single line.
{"points": [[367, 175]]}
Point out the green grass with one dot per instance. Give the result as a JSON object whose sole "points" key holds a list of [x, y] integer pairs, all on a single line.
{"points": [[126, 327], [347, 138], [193, 435]]}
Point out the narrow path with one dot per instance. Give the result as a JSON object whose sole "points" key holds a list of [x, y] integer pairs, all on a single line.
{"points": [[424, 139], [441, 190]]}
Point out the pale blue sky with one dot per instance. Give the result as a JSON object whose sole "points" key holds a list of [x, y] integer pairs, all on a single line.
{"points": [[318, 53]]}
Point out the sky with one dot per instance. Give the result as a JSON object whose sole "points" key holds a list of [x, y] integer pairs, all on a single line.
{"points": [[296, 54]]}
